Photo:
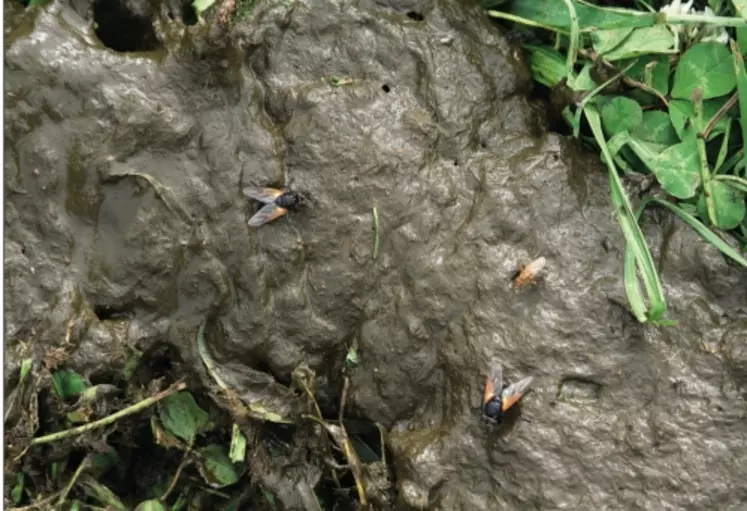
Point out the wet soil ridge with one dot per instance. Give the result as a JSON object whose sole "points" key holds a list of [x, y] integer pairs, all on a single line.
{"points": [[124, 217]]}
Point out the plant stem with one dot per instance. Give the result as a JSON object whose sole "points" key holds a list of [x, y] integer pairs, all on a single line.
{"points": [[721, 111], [84, 464], [697, 19], [182, 464], [573, 40], [40, 504], [142, 405], [705, 174]]}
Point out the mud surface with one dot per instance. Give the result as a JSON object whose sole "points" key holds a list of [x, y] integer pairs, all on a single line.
{"points": [[436, 129]]}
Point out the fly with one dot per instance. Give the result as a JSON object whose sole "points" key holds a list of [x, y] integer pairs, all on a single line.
{"points": [[277, 203], [498, 398], [529, 273]]}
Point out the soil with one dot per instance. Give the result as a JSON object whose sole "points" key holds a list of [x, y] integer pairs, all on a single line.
{"points": [[126, 150]]}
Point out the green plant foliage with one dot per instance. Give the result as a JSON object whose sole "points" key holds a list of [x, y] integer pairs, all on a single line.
{"points": [[237, 451], [68, 384], [705, 65], [216, 467], [182, 417], [673, 118]]}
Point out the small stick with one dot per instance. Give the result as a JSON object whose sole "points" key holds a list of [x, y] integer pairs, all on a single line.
{"points": [[182, 464], [719, 114], [138, 407], [376, 232], [40, 504], [84, 464], [626, 79]]}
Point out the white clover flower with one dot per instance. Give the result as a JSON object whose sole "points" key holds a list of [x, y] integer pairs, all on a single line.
{"points": [[687, 35]]}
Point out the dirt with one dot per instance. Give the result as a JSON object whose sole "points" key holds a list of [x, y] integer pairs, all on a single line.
{"points": [[437, 129]]}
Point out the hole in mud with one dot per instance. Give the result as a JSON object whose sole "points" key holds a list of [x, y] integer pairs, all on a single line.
{"points": [[579, 389], [415, 16], [122, 30], [105, 312], [189, 14], [386, 88], [156, 362]]}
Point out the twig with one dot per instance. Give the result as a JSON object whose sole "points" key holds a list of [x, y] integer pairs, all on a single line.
{"points": [[40, 504], [83, 465], [719, 114], [142, 405], [320, 420], [182, 464], [343, 398], [376, 232], [353, 461], [625, 78]]}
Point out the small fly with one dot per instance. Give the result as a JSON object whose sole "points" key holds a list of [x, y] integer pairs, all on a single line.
{"points": [[529, 273], [277, 203], [499, 397]]}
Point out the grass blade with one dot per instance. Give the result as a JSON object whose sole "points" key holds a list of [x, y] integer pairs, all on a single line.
{"points": [[636, 244], [698, 226]]}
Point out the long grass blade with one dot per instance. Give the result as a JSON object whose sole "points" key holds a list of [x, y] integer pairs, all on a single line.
{"points": [[698, 226], [633, 236]]}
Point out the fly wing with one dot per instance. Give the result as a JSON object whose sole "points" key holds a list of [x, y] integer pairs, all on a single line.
{"points": [[494, 381], [511, 394], [268, 213], [266, 195]]}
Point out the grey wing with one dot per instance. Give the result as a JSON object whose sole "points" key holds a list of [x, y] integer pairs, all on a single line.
{"points": [[268, 213], [515, 391], [266, 195], [496, 374]]}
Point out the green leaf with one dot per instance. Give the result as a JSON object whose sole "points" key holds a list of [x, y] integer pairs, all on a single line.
{"points": [[547, 64], [729, 205], [657, 128], [16, 494], [68, 383], [621, 114], [583, 81], [101, 493], [202, 5], [647, 40], [681, 111], [237, 451], [554, 15], [678, 169], [351, 359], [656, 67], [182, 417], [25, 369], [606, 40], [216, 468], [741, 75], [151, 505], [705, 65], [740, 7]]}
